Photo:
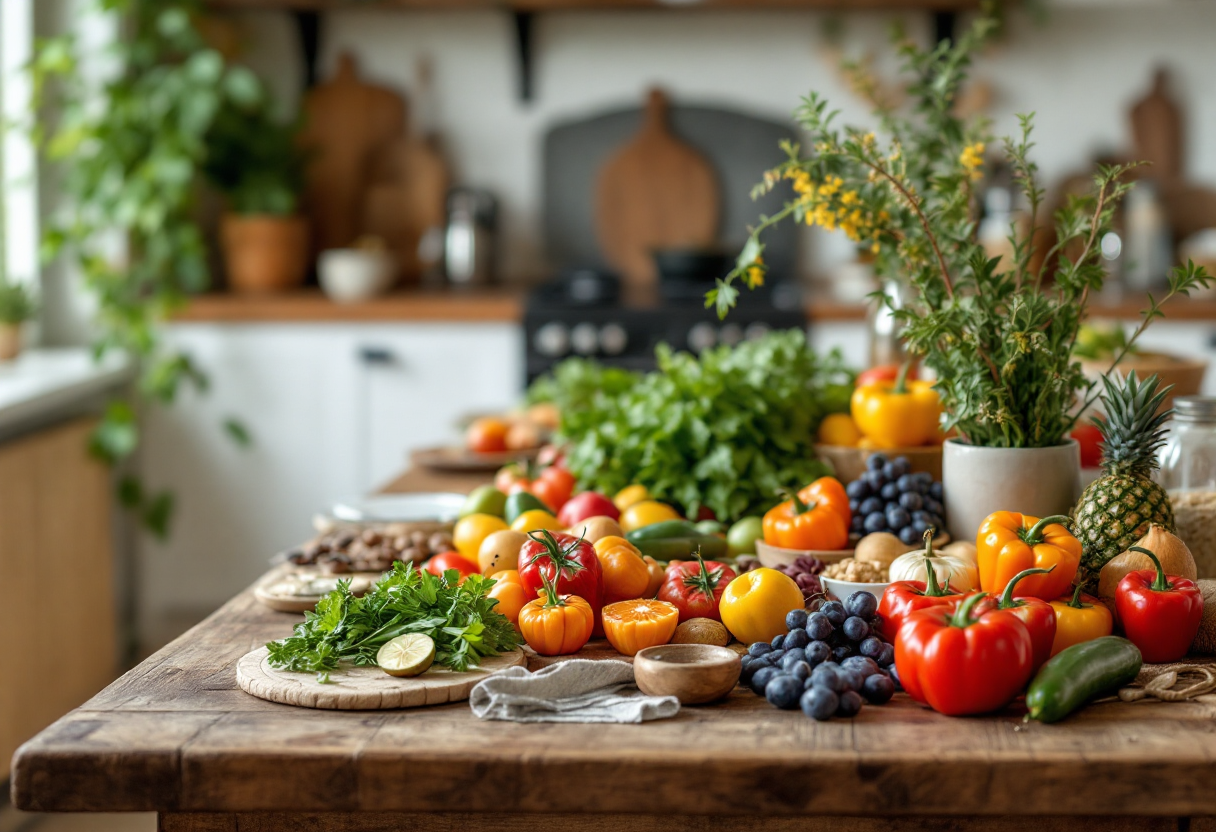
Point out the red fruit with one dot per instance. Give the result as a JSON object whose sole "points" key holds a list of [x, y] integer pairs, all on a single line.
{"points": [[588, 504], [1090, 439]]}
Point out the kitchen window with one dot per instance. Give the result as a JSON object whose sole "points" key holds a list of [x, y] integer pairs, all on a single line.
{"points": [[18, 162]]}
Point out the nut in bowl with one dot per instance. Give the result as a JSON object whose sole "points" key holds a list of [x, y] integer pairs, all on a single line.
{"points": [[693, 673]]}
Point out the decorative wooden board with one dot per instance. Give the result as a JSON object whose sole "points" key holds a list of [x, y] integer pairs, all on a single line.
{"points": [[363, 688], [461, 459], [267, 589]]}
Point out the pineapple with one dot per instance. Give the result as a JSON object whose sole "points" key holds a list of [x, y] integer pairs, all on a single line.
{"points": [[1118, 507]]}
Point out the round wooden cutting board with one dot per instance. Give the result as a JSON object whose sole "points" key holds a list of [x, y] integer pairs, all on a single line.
{"points": [[363, 688]]}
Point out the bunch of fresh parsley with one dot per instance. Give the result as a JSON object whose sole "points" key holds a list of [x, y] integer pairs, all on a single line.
{"points": [[456, 615]]}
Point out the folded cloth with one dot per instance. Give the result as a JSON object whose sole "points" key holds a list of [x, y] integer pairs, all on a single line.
{"points": [[575, 690]]}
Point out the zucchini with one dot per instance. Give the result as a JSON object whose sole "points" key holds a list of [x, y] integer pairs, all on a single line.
{"points": [[665, 529], [682, 548], [1080, 673]]}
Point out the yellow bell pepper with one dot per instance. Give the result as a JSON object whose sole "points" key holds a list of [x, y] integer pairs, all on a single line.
{"points": [[754, 605], [898, 414], [1080, 618]]}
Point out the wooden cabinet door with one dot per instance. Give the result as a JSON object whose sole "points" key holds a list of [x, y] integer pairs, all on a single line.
{"points": [[57, 643]]}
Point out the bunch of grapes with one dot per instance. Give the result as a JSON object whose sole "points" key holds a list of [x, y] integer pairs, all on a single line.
{"points": [[889, 498]]}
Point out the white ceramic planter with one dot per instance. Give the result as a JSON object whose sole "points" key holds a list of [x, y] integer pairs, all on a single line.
{"points": [[978, 481]]}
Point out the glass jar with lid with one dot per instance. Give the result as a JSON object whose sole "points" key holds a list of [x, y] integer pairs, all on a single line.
{"points": [[1188, 473]]}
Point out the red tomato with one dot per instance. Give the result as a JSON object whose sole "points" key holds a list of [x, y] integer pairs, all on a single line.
{"points": [[487, 435], [1090, 439], [570, 562], [450, 560], [587, 504], [696, 587], [885, 372]]}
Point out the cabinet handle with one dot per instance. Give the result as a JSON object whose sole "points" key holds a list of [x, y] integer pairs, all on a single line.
{"points": [[377, 356]]}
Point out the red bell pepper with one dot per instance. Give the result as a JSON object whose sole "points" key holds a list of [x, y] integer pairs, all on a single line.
{"points": [[570, 562], [696, 587], [903, 598], [1160, 613], [959, 663], [1038, 615]]}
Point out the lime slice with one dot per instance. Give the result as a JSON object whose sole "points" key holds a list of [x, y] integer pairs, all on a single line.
{"points": [[407, 655]]}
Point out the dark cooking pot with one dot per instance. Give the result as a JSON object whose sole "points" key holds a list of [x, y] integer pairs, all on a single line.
{"points": [[693, 265]]}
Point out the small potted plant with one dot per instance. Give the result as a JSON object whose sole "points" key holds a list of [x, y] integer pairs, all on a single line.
{"points": [[16, 307], [997, 333], [255, 162]]}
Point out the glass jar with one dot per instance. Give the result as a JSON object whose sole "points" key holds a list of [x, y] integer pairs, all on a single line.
{"points": [[1188, 473]]}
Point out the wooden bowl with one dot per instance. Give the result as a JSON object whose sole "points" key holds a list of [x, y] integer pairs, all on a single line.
{"points": [[849, 462], [774, 556], [1186, 374], [693, 673]]}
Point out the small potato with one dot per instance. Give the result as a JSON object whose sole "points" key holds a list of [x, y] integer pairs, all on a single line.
{"points": [[500, 551], [595, 528], [523, 436]]}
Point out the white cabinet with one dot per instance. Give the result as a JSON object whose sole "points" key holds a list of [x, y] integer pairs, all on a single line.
{"points": [[333, 411]]}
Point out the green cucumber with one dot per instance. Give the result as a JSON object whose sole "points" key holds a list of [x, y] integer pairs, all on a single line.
{"points": [[522, 501], [682, 548], [663, 530], [1080, 673]]}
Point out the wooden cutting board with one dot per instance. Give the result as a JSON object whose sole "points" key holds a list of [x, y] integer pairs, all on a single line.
{"points": [[346, 121], [1157, 131], [406, 196], [363, 688], [656, 192]]}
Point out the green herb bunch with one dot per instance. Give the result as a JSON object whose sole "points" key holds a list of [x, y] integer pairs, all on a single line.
{"points": [[726, 429], [998, 333], [17, 303], [457, 615]]}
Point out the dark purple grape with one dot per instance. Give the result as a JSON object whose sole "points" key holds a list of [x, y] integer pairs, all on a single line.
{"points": [[902, 465], [934, 507], [863, 665], [796, 639], [935, 491], [898, 518], [819, 703], [893, 672], [875, 622], [800, 671], [850, 704], [759, 648], [817, 652], [857, 523], [906, 483], [783, 692], [792, 657], [761, 678], [878, 689], [911, 501], [870, 505], [890, 492], [856, 629], [876, 522], [854, 505], [818, 625], [887, 657], [842, 652], [919, 526], [851, 678], [827, 676], [778, 641], [834, 610], [795, 620], [857, 490], [775, 657], [876, 462], [861, 603], [875, 480], [910, 536], [871, 647]]}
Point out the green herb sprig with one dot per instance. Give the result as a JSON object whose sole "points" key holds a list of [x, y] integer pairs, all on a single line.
{"points": [[457, 615]]}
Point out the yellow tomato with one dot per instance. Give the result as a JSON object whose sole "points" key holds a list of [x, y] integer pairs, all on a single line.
{"points": [[635, 625], [626, 575], [646, 513], [470, 531], [535, 520], [839, 429], [754, 605], [510, 594], [630, 495]]}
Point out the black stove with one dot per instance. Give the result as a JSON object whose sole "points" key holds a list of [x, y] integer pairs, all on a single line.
{"points": [[588, 313]]}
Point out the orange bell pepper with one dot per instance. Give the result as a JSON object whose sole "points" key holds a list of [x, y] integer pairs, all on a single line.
{"points": [[510, 594], [1009, 543], [556, 625], [635, 625], [626, 575], [1080, 618], [796, 524], [828, 492]]}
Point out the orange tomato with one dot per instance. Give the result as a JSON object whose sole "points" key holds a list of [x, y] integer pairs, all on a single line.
{"points": [[635, 625], [657, 575], [556, 625], [626, 575], [510, 594], [487, 435]]}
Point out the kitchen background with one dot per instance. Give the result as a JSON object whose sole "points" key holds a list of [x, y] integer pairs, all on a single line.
{"points": [[335, 398]]}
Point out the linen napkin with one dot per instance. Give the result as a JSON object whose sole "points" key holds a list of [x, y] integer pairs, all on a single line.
{"points": [[575, 690]]}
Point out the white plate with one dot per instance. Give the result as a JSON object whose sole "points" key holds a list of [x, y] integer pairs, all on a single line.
{"points": [[400, 508], [843, 589]]}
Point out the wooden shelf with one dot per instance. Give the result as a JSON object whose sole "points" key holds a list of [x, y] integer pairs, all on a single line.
{"points": [[311, 306], [597, 5]]}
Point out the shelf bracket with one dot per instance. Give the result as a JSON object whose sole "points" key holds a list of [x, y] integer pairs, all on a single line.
{"points": [[945, 26], [308, 30], [523, 45]]}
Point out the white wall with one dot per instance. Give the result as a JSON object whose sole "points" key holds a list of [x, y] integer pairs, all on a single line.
{"points": [[1079, 71]]}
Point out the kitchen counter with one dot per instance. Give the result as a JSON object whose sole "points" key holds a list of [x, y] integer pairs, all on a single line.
{"points": [[45, 385], [176, 736]]}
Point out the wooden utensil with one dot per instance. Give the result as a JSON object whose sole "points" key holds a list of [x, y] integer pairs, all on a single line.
{"points": [[1157, 131], [657, 192], [346, 121]]}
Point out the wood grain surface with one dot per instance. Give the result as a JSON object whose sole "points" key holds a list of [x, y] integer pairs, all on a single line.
{"points": [[363, 688]]}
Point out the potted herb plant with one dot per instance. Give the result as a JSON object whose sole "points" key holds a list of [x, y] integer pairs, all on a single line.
{"points": [[998, 333], [16, 307], [254, 160]]}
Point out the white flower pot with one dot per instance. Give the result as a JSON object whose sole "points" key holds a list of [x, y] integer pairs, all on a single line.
{"points": [[978, 481]]}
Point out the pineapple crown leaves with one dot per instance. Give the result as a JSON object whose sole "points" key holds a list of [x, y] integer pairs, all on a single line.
{"points": [[1133, 429]]}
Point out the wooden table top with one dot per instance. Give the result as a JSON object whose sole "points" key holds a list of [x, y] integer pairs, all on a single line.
{"points": [[176, 734]]}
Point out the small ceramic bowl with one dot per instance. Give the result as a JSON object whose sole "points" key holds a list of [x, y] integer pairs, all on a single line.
{"points": [[693, 673], [774, 556], [350, 275], [843, 589]]}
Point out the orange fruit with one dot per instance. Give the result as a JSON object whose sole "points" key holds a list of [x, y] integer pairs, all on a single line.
{"points": [[635, 625], [487, 435]]}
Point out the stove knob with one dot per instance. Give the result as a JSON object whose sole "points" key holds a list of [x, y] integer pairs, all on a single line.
{"points": [[552, 340], [613, 339], [702, 336], [585, 339], [730, 334], [756, 331]]}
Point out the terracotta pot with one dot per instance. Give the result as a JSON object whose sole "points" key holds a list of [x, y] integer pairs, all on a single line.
{"points": [[1186, 374], [10, 341], [978, 481], [264, 254]]}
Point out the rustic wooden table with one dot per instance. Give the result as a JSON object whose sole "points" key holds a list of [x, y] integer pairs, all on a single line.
{"points": [[176, 736]]}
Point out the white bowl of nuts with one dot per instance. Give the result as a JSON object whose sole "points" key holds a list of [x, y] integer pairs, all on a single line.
{"points": [[847, 576]]}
